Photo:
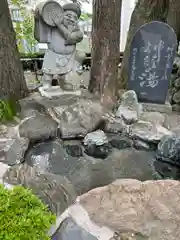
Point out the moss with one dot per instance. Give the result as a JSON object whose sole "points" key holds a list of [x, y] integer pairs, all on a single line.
{"points": [[23, 216]]}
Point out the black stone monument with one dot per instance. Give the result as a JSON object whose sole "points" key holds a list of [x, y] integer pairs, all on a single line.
{"points": [[152, 54]]}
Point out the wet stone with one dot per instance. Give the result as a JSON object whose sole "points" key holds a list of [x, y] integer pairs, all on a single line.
{"points": [[70, 230], [98, 151], [120, 142], [49, 156], [74, 150], [167, 171]]}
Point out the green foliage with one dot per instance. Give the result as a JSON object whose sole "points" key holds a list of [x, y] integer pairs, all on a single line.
{"points": [[85, 17], [8, 109], [23, 216], [25, 29]]}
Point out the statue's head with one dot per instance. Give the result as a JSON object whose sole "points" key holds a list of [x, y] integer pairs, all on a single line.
{"points": [[72, 12]]}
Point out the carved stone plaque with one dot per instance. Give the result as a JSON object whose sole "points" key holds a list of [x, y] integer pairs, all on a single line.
{"points": [[152, 53]]}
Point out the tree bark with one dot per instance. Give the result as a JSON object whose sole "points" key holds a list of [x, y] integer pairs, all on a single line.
{"points": [[105, 49], [145, 11], [173, 18], [12, 82]]}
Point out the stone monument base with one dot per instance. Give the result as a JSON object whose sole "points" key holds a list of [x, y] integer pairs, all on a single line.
{"points": [[154, 107], [56, 92]]}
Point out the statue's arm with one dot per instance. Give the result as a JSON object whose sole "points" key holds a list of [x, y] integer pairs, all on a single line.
{"points": [[70, 37]]}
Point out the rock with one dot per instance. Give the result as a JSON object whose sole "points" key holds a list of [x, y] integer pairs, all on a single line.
{"points": [[38, 127], [12, 151], [8, 131], [49, 156], [143, 209], [31, 108], [134, 164], [148, 132], [70, 230], [129, 109], [55, 191], [80, 118], [167, 170], [177, 83], [120, 142], [169, 149], [153, 117], [114, 125], [98, 138], [97, 151], [74, 150], [176, 107], [19, 174], [173, 90], [176, 97], [141, 145]]}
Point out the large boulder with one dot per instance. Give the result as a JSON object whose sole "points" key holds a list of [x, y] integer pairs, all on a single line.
{"points": [[55, 191], [38, 127], [126, 209], [80, 118], [135, 209]]}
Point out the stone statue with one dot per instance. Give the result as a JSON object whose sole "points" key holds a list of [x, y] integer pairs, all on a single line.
{"points": [[58, 27]]}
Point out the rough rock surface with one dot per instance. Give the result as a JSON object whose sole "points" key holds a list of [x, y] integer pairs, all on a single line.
{"points": [[38, 127], [148, 131], [55, 191], [129, 109], [126, 209], [80, 118], [98, 138], [169, 149], [19, 174], [144, 210], [153, 117], [114, 125], [119, 141], [12, 150]]}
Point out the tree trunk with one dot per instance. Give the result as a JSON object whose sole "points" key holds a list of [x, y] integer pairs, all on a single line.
{"points": [[145, 11], [105, 49], [173, 18], [12, 82]]}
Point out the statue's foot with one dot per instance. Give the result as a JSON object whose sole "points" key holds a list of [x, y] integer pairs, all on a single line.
{"points": [[46, 86]]}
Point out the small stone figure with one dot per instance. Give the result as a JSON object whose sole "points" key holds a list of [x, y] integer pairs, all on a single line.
{"points": [[58, 27]]}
